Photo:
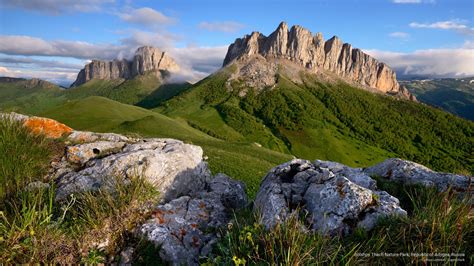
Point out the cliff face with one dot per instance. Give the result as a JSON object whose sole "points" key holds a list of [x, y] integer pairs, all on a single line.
{"points": [[311, 52], [146, 59]]}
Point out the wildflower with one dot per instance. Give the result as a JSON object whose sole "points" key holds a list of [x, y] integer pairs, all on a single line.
{"points": [[249, 236], [32, 232], [238, 261]]}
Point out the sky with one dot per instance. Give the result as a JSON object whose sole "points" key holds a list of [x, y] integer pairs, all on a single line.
{"points": [[53, 39]]}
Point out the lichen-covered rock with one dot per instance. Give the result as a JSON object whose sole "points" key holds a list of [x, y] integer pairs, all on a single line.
{"points": [[356, 175], [412, 173], [173, 167], [86, 136], [14, 116], [336, 197], [40, 125], [82, 153], [185, 228]]}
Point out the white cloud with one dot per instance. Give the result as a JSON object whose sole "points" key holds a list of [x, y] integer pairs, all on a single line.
{"points": [[399, 35], [413, 1], [146, 16], [56, 7], [160, 39], [430, 62], [198, 62], [58, 77], [18, 61], [456, 24], [195, 62], [224, 26], [26, 45]]}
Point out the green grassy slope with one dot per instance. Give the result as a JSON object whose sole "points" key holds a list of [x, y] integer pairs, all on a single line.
{"points": [[324, 121], [145, 90], [245, 161], [453, 95], [209, 107], [27, 97]]}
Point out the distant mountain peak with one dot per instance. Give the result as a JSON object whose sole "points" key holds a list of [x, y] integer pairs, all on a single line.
{"points": [[146, 59], [298, 46]]}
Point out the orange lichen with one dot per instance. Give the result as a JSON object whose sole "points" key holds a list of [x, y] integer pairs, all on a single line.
{"points": [[159, 215], [72, 156], [49, 127]]}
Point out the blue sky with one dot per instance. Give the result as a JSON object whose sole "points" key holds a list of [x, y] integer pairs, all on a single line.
{"points": [[52, 39]]}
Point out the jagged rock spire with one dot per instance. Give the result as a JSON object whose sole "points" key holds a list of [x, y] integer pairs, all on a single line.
{"points": [[146, 59], [310, 51]]}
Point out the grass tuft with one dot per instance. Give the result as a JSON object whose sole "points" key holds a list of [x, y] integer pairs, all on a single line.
{"points": [[437, 224], [34, 228]]}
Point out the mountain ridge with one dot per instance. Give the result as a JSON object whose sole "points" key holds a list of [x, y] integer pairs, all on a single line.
{"points": [[298, 45], [146, 59]]}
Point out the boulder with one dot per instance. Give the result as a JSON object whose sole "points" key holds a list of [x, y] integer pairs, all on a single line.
{"points": [[173, 167], [337, 198], [40, 125], [185, 228], [86, 136], [409, 172]]}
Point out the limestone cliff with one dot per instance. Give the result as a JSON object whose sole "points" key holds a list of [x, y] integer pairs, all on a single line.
{"points": [[146, 59], [311, 52]]}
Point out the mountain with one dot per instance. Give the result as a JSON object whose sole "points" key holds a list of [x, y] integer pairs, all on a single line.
{"points": [[455, 95], [146, 59], [310, 113], [28, 95], [259, 59], [334, 121], [33, 97]]}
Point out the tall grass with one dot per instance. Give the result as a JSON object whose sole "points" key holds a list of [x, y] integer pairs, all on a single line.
{"points": [[23, 157], [34, 228], [437, 224]]}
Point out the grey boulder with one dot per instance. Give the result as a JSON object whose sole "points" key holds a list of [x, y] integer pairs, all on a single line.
{"points": [[337, 198], [185, 228], [173, 167], [413, 173]]}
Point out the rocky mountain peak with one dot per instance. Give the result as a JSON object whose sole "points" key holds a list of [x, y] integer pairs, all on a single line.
{"points": [[146, 59], [310, 52]]}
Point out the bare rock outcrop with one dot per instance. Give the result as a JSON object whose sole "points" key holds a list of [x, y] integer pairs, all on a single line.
{"points": [[408, 172], [173, 167], [39, 125], [182, 226], [146, 59], [337, 198], [312, 53]]}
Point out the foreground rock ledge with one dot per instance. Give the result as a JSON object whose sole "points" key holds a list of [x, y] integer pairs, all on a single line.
{"points": [[338, 198], [193, 203], [185, 227], [173, 167]]}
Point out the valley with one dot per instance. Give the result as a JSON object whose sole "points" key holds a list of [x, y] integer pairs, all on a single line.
{"points": [[296, 151]]}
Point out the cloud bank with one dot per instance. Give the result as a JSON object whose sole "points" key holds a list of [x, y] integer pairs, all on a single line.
{"points": [[430, 62], [146, 16], [457, 25], [195, 62], [57, 7]]}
